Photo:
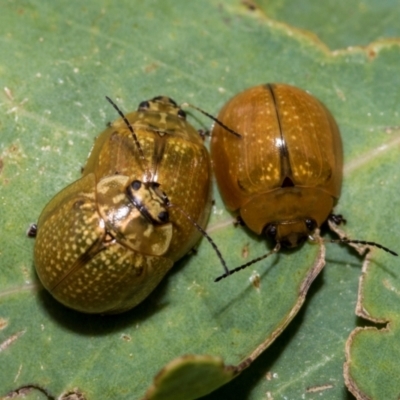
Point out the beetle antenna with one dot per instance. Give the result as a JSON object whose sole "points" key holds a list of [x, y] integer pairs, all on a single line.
{"points": [[135, 138], [216, 249], [211, 117], [205, 234], [335, 220], [373, 244], [232, 271]]}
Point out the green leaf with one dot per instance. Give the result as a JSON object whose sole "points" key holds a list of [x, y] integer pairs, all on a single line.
{"points": [[58, 62], [372, 355], [338, 24], [189, 374]]}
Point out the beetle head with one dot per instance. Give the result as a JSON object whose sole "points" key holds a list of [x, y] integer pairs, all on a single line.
{"points": [[162, 104], [150, 200], [290, 233]]}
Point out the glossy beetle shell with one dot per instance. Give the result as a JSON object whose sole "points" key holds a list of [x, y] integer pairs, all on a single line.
{"points": [[286, 170], [102, 243]]}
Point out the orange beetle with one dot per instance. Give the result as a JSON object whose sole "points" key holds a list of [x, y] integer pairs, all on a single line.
{"points": [[284, 175]]}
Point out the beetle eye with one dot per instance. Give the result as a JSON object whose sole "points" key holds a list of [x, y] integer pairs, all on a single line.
{"points": [[270, 230], [310, 224], [181, 114], [163, 216], [136, 185], [143, 106]]}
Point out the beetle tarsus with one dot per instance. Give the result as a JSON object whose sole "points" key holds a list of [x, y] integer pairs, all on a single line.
{"points": [[32, 231], [238, 221], [337, 219], [204, 133]]}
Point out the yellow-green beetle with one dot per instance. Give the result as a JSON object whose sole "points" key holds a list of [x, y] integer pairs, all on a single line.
{"points": [[105, 241]]}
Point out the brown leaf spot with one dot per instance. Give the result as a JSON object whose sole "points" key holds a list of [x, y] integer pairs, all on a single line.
{"points": [[3, 323]]}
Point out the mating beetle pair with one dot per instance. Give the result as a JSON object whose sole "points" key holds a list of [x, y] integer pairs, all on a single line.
{"points": [[105, 242]]}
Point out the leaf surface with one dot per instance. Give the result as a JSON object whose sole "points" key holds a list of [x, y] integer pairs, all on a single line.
{"points": [[58, 62]]}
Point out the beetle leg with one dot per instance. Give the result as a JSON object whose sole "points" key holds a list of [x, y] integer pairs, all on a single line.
{"points": [[204, 133], [337, 219], [32, 231], [238, 221]]}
